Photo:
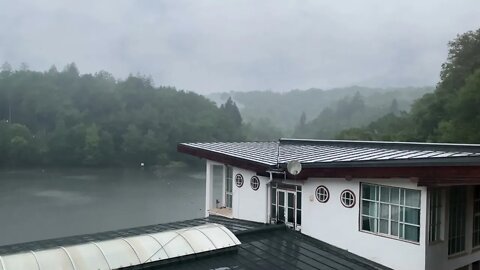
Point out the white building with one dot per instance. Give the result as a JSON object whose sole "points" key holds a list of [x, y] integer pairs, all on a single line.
{"points": [[403, 205]]}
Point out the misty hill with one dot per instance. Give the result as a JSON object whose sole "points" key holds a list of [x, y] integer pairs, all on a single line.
{"points": [[449, 114], [284, 110]]}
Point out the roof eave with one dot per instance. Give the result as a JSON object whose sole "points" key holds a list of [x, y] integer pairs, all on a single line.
{"points": [[455, 161], [223, 158]]}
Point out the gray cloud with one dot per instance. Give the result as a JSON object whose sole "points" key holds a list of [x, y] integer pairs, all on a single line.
{"points": [[206, 45]]}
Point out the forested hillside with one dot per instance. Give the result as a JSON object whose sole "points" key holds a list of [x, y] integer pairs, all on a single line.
{"points": [[325, 112], [67, 119], [450, 114]]}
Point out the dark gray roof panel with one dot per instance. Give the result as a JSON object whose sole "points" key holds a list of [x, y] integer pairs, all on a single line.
{"points": [[261, 152], [278, 248], [330, 152]]}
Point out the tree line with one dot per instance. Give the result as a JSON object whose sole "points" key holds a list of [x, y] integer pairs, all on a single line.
{"points": [[63, 118], [450, 114]]}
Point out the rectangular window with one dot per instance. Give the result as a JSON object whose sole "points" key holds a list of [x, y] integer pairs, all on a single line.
{"points": [[476, 217], [228, 186], [435, 220], [391, 211], [456, 220], [273, 205]]}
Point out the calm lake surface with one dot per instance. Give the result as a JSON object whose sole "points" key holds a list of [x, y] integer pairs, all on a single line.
{"points": [[36, 205]]}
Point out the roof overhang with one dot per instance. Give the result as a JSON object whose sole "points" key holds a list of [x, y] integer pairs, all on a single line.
{"points": [[223, 158], [428, 172]]}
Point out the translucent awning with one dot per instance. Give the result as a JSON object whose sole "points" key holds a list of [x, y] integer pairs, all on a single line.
{"points": [[122, 252]]}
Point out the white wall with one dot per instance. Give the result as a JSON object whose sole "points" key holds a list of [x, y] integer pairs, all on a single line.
{"points": [[249, 204], [331, 222], [437, 253]]}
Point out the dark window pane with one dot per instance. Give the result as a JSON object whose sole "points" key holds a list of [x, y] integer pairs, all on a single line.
{"points": [[281, 214], [369, 208], [291, 215], [384, 211], [394, 228], [383, 228], [369, 192], [281, 198], [299, 217], [395, 195], [385, 194], [412, 198], [368, 224], [299, 200], [395, 212], [412, 233], [412, 215], [291, 198]]}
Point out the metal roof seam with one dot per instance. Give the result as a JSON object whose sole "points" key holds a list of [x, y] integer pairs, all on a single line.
{"points": [[207, 238], [186, 240], [134, 251], [2, 263], [161, 248], [36, 259], [103, 254], [69, 257]]}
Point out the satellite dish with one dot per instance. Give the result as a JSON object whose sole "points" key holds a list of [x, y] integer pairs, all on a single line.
{"points": [[294, 167]]}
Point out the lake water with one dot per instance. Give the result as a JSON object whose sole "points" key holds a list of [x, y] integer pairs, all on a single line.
{"points": [[36, 205]]}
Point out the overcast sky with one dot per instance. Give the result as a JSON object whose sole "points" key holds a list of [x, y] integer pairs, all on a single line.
{"points": [[208, 46]]}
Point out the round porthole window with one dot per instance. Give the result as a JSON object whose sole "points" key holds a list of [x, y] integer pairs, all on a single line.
{"points": [[239, 180], [255, 183], [322, 194], [347, 197]]}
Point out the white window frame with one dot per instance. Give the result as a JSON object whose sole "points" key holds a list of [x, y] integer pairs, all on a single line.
{"points": [[476, 217], [322, 194], [347, 198], [456, 225], [255, 183], [435, 224], [228, 186], [401, 206], [239, 181]]}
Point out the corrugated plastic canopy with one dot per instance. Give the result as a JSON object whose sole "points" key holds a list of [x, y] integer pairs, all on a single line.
{"points": [[122, 252]]}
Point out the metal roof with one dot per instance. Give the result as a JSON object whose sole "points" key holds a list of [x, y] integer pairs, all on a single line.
{"points": [[262, 247], [324, 153], [278, 248]]}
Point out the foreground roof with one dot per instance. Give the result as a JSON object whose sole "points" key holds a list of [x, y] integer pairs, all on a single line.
{"points": [[429, 162], [263, 247]]}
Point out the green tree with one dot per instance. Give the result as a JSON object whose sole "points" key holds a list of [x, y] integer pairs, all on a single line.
{"points": [[431, 111], [463, 123], [92, 152], [132, 141], [21, 149]]}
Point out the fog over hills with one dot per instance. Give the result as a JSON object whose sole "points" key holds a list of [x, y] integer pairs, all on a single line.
{"points": [[213, 46], [284, 110]]}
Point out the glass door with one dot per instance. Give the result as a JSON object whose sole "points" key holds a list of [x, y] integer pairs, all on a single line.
{"points": [[228, 186], [286, 207]]}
